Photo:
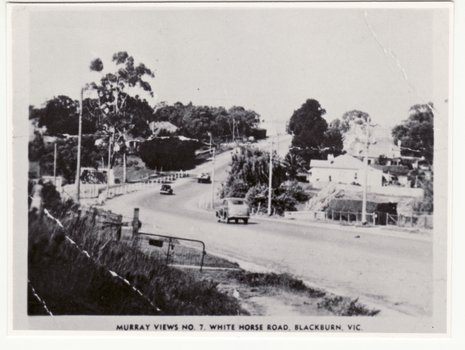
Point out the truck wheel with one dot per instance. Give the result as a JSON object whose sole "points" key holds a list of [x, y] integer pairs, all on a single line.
{"points": [[246, 221]]}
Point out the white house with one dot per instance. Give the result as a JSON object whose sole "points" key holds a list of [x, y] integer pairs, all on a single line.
{"points": [[344, 169], [156, 127]]}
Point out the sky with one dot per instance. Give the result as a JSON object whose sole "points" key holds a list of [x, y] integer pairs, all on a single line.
{"points": [[270, 59]]}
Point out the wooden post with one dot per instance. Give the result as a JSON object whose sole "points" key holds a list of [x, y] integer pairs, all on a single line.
{"points": [[213, 181], [124, 168], [55, 164], [135, 222]]}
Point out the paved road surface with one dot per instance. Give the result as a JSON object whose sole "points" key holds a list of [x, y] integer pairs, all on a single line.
{"points": [[392, 273]]}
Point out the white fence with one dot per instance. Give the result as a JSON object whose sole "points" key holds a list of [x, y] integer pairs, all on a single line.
{"points": [[382, 190], [93, 191], [338, 216]]}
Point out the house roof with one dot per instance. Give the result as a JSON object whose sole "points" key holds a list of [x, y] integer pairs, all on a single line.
{"points": [[156, 127], [344, 161]]}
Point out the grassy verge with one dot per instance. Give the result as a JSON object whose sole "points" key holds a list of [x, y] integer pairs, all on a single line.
{"points": [[271, 283], [70, 283]]}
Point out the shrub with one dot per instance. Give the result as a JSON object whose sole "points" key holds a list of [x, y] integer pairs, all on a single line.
{"points": [[53, 203], [235, 189], [283, 198], [346, 307], [169, 153]]}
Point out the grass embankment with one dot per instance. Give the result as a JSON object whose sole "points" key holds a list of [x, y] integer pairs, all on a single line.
{"points": [[70, 283]]}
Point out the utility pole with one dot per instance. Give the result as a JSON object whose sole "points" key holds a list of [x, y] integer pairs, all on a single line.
{"points": [[210, 134], [213, 180], [124, 167], [365, 181], [270, 177], [78, 171], [109, 162], [55, 164]]}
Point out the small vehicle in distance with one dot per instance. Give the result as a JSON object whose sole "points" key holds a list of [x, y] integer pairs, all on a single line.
{"points": [[204, 178], [166, 189], [233, 209]]}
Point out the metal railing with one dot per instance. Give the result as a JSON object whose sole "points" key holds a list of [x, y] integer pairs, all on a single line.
{"points": [[332, 215], [179, 251], [415, 220], [350, 217], [94, 190]]}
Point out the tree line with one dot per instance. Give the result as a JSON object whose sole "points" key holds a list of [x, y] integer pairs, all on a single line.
{"points": [[114, 115], [314, 138]]}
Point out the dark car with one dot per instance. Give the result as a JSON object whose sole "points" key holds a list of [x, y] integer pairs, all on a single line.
{"points": [[233, 209], [204, 178], [166, 189]]}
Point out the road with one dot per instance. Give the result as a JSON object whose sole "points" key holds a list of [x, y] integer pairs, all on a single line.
{"points": [[388, 272]]}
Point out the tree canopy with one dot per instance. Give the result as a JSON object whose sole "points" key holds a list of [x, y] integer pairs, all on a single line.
{"points": [[199, 121], [417, 132], [250, 167], [313, 138], [169, 153], [121, 114], [308, 126], [352, 119], [66, 155], [61, 116]]}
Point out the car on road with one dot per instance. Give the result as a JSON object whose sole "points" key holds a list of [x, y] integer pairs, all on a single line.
{"points": [[204, 178], [233, 209], [166, 189]]}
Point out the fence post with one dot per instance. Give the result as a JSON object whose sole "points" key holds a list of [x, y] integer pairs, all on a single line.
{"points": [[135, 222], [168, 253]]}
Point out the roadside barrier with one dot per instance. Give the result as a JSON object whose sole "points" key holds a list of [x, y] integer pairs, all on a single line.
{"points": [[332, 215], [95, 190], [414, 220], [179, 251]]}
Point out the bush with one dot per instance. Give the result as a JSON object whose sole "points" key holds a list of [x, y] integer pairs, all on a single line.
{"points": [[169, 154], [283, 198], [237, 189], [53, 203], [297, 192]]}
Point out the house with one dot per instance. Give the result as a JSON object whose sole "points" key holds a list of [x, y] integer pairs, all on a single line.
{"points": [[344, 169], [132, 143], [157, 127]]}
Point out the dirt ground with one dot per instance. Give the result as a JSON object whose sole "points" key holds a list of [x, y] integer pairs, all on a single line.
{"points": [[269, 300]]}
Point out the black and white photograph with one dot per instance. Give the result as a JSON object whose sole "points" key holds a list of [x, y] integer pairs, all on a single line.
{"points": [[230, 168]]}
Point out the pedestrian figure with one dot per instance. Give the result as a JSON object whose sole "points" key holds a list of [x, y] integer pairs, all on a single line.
{"points": [[37, 200]]}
